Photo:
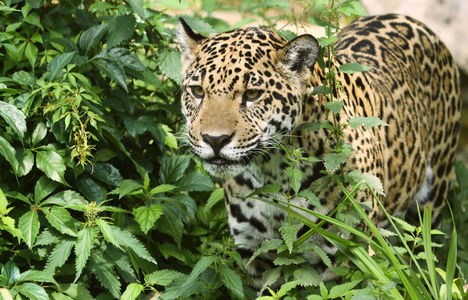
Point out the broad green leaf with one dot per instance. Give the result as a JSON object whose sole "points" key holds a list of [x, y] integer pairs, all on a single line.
{"points": [[34, 19], [14, 117], [311, 197], [90, 189], [170, 64], [39, 133], [296, 260], [216, 196], [204, 263], [285, 288], [92, 36], [128, 240], [325, 41], [37, 276], [43, 188], [199, 26], [209, 5], [342, 289], [313, 126], [122, 262], [132, 291], [107, 173], [75, 291], [138, 7], [29, 226], [25, 159], [163, 188], [3, 203], [368, 122], [335, 106], [369, 180], [173, 168], [61, 220], [270, 277], [66, 198], [195, 181], [31, 53], [163, 277], [113, 70], [52, 164], [127, 186], [24, 78], [287, 233], [9, 153], [32, 291], [352, 7], [307, 276], [351, 68], [182, 289], [146, 216], [58, 63], [83, 247], [59, 255], [271, 4], [232, 281], [11, 273], [266, 189], [321, 90], [266, 246], [124, 58], [333, 161], [171, 224], [105, 273], [121, 29], [107, 232], [295, 176]]}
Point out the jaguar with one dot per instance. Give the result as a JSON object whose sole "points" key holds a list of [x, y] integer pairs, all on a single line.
{"points": [[246, 91]]}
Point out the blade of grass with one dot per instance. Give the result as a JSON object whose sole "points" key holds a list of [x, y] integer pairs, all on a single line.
{"points": [[452, 258], [427, 241]]}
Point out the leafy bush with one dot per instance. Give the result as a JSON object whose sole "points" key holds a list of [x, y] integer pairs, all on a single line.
{"points": [[97, 196]]}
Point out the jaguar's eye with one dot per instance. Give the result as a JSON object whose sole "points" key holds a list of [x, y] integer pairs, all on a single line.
{"points": [[251, 95], [197, 91]]}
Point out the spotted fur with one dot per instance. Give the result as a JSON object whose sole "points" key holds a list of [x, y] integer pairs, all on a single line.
{"points": [[246, 90]]}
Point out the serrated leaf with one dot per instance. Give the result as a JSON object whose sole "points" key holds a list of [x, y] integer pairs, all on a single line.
{"points": [[351, 68], [181, 289], [323, 256], [333, 161], [287, 233], [113, 70], [105, 273], [370, 180], [52, 164], [195, 181], [170, 65], [9, 153], [232, 281], [37, 276], [132, 291], [107, 232], [163, 277], [107, 173], [138, 7], [122, 262], [173, 168], [58, 63], [75, 291], [352, 7], [83, 247], [128, 240], [296, 260], [14, 117], [325, 41], [203, 264], [146, 216], [324, 90], [127, 186], [216, 196], [11, 272], [295, 176], [124, 58], [266, 189], [171, 224], [285, 288], [121, 29], [335, 106], [163, 188], [307, 276], [342, 289], [29, 226], [199, 26], [61, 220], [368, 122], [66, 198], [32, 291], [311, 197], [59, 255], [90, 189], [270, 277], [48, 237], [266, 246]]}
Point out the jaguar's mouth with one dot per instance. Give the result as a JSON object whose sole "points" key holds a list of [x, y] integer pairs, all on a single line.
{"points": [[220, 161]]}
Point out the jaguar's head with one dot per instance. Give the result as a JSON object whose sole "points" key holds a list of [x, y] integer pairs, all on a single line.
{"points": [[242, 92]]}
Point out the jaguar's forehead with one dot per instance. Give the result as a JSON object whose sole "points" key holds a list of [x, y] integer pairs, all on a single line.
{"points": [[241, 53]]}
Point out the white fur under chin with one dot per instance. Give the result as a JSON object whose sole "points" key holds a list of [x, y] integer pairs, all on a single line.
{"points": [[223, 172]]}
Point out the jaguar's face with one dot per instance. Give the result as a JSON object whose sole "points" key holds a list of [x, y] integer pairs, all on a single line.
{"points": [[241, 93]]}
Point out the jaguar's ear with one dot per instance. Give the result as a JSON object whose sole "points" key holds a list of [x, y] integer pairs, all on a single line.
{"points": [[190, 42], [300, 54]]}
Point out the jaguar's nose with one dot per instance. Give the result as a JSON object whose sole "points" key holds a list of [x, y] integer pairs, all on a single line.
{"points": [[217, 142]]}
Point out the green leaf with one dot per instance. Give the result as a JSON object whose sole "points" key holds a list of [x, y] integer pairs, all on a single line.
{"points": [[295, 176], [34, 19], [14, 117], [342, 289], [232, 281], [170, 65], [61, 220], [296, 260], [271, 4], [162, 277], [127, 186], [107, 232], [83, 247], [122, 262], [132, 291], [105, 273], [11, 273], [92, 36], [25, 159], [216, 196], [90, 189], [113, 70], [351, 8], [171, 224], [270, 277], [266, 189], [311, 197], [43, 188], [51, 163], [146, 216], [307, 276], [333, 161], [351, 68], [266, 246], [121, 29], [75, 291], [287, 233], [37, 276], [107, 173], [66, 198], [163, 188], [368, 122], [195, 181], [32, 291], [325, 41], [29, 226], [335, 106], [173, 168], [9, 153], [124, 58], [125, 238], [59, 255], [58, 63], [209, 5], [39, 133], [138, 7], [3, 203], [199, 25], [200, 267], [369, 180], [31, 53]]}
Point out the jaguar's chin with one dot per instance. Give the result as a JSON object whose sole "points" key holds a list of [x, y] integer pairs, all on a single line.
{"points": [[223, 168]]}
